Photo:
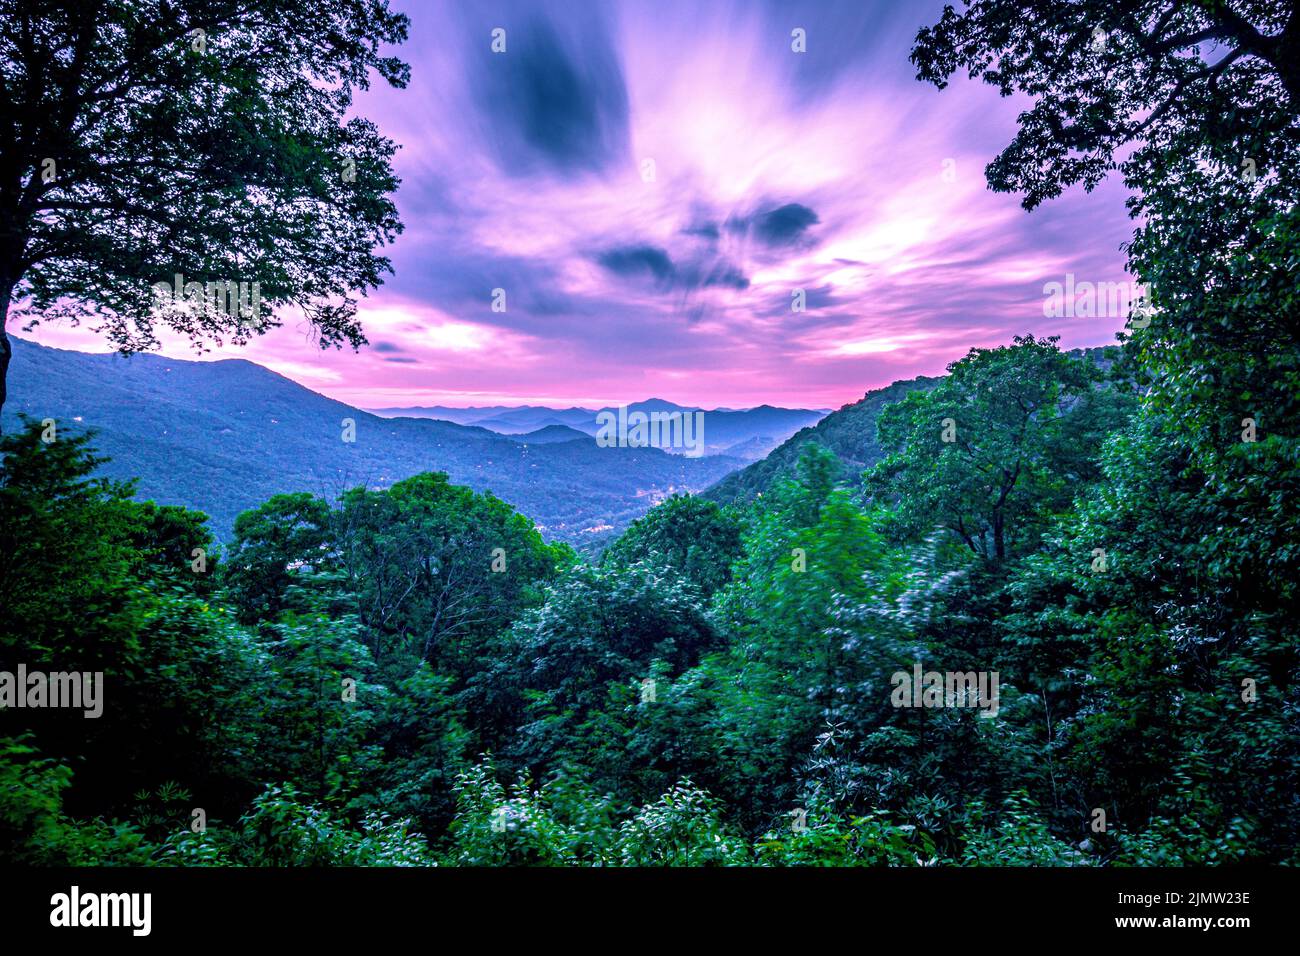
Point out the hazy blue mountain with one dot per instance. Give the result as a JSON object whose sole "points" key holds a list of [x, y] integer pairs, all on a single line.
{"points": [[752, 449], [724, 430], [511, 418], [849, 433], [765, 426], [550, 434], [507, 425], [224, 436]]}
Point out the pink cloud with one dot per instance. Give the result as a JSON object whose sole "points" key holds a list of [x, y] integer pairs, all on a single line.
{"points": [[831, 171]]}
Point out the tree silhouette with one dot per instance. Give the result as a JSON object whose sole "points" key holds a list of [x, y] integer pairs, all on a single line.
{"points": [[203, 144]]}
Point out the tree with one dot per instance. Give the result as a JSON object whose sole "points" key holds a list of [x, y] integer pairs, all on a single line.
{"points": [[1186, 640], [175, 542], [89, 582], [1104, 75], [322, 702], [689, 534], [206, 139], [424, 745], [806, 608], [436, 568], [809, 552], [271, 540], [996, 448], [601, 630], [64, 549], [1198, 105]]}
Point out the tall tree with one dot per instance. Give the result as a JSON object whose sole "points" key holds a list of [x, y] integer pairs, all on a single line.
{"points": [[146, 140], [690, 534], [996, 449], [436, 568], [271, 541], [1197, 105]]}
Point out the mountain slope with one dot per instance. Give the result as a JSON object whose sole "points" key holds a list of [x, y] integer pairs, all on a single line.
{"points": [[751, 429], [850, 434], [224, 436], [549, 434]]}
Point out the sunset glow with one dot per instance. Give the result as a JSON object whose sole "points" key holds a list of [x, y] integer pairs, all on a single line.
{"points": [[832, 171]]}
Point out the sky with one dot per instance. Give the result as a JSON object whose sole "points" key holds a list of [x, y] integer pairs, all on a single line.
{"points": [[651, 182]]}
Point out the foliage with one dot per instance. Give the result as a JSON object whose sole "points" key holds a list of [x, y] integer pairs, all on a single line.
{"points": [[690, 534], [1018, 837], [383, 679], [282, 830], [271, 541], [823, 837], [995, 449], [209, 140], [36, 831]]}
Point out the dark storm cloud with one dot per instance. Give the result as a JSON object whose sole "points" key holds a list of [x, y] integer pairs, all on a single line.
{"points": [[725, 274], [693, 272], [707, 230], [783, 225], [638, 260], [554, 100]]}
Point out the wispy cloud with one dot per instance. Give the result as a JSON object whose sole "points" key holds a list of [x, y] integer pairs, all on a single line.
{"points": [[650, 182]]}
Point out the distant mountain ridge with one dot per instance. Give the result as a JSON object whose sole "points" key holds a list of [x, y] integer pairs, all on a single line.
{"points": [[849, 433], [224, 436], [549, 434], [745, 433]]}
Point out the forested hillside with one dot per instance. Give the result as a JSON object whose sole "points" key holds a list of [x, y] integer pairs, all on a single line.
{"points": [[848, 434]]}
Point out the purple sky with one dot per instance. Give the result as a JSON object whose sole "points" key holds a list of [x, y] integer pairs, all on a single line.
{"points": [[773, 171]]}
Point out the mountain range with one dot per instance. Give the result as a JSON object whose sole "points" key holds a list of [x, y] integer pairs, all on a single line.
{"points": [[224, 436], [746, 433]]}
